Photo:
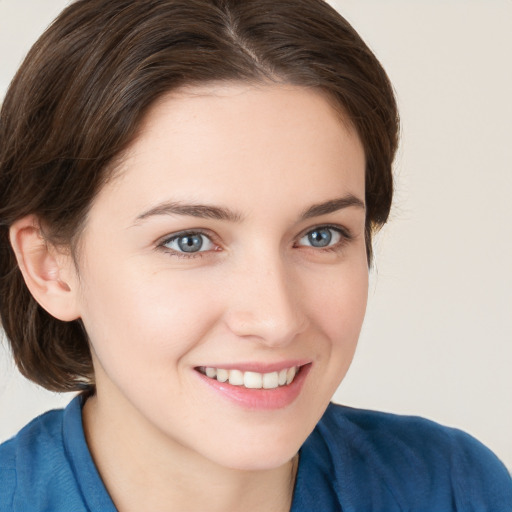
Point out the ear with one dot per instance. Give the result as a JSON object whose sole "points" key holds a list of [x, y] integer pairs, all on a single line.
{"points": [[49, 273]]}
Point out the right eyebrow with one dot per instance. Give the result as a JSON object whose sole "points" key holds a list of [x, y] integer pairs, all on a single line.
{"points": [[201, 211]]}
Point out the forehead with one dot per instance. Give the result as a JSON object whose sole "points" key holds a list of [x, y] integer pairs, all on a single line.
{"points": [[240, 143]]}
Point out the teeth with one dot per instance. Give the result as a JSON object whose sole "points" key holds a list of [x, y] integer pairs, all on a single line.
{"points": [[290, 375], [236, 378], [270, 380], [252, 380], [222, 375], [211, 372]]}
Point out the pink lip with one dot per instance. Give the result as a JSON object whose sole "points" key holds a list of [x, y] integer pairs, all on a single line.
{"points": [[259, 399]]}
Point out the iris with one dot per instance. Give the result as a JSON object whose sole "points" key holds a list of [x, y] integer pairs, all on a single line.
{"points": [[190, 243], [320, 237]]}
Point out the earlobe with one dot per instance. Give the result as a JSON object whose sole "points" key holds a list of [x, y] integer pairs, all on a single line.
{"points": [[48, 272]]}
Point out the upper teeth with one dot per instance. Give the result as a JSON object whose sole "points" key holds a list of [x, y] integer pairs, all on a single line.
{"points": [[252, 380]]}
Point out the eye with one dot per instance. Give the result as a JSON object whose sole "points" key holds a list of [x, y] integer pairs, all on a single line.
{"points": [[189, 243], [321, 237]]}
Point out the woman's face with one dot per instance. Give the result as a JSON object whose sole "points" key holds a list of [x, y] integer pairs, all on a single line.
{"points": [[231, 246]]}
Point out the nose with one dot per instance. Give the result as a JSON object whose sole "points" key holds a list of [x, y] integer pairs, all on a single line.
{"points": [[265, 304]]}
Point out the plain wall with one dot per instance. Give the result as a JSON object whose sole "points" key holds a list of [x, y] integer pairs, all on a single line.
{"points": [[437, 341]]}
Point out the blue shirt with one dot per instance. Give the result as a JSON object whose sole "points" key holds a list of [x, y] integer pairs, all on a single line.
{"points": [[354, 460]]}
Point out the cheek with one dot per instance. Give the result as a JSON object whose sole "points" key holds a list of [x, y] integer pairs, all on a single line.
{"points": [[139, 318], [340, 305], [339, 309]]}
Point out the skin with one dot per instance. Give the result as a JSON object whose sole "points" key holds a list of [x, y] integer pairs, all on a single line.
{"points": [[260, 292]]}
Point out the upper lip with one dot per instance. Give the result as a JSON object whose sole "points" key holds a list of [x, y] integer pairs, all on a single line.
{"points": [[259, 367]]}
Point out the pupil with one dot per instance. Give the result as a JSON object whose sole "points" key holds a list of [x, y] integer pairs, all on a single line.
{"points": [[190, 243], [320, 238]]}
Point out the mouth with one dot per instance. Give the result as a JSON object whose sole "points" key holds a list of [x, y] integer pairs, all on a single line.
{"points": [[274, 386], [251, 379]]}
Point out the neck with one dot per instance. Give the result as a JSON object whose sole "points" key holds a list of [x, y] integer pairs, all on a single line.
{"points": [[144, 470]]}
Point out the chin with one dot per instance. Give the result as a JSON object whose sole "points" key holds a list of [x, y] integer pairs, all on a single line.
{"points": [[263, 460], [257, 450]]}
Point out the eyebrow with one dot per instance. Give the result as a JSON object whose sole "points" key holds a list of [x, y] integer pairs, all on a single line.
{"points": [[192, 210], [220, 213], [332, 206]]}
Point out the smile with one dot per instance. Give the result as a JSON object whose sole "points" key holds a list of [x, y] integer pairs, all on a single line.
{"points": [[252, 380]]}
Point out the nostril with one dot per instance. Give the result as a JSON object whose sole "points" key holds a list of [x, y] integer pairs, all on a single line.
{"points": [[272, 326]]}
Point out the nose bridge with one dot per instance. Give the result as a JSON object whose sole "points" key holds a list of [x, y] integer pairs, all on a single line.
{"points": [[265, 304]]}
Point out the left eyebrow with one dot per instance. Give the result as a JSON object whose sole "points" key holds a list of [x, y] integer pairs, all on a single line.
{"points": [[332, 206]]}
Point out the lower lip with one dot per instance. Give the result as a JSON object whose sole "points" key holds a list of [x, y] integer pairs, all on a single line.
{"points": [[260, 399]]}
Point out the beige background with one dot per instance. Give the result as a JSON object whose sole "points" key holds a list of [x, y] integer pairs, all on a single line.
{"points": [[437, 341]]}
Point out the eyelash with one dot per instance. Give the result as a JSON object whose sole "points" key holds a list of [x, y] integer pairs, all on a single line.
{"points": [[345, 237]]}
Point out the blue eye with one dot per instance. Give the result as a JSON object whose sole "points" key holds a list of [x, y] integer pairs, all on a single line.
{"points": [[189, 243], [321, 237]]}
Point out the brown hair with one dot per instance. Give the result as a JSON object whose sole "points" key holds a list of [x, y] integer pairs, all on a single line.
{"points": [[79, 96]]}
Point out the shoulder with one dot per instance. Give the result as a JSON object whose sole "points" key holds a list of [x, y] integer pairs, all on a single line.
{"points": [[415, 460], [33, 464], [44, 431]]}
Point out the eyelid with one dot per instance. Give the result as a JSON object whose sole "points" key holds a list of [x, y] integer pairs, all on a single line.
{"points": [[184, 232], [342, 230]]}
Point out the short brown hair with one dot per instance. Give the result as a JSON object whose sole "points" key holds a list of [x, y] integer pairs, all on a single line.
{"points": [[78, 98]]}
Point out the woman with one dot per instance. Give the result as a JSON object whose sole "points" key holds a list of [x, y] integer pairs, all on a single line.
{"points": [[188, 193]]}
